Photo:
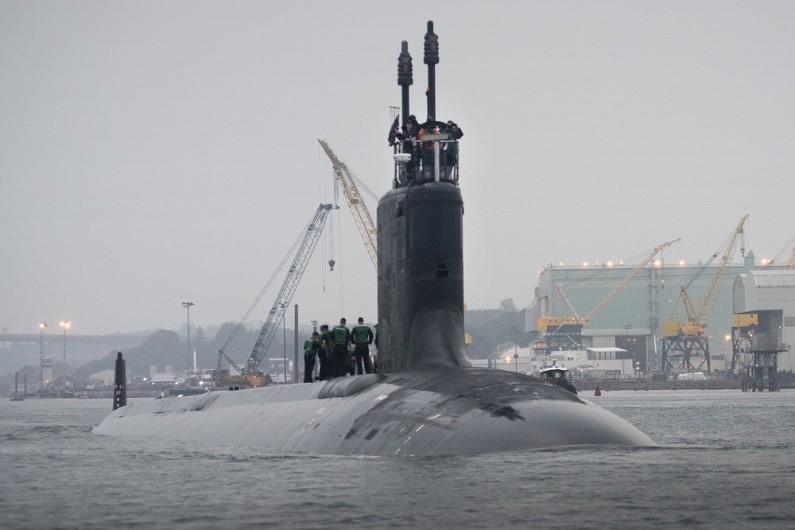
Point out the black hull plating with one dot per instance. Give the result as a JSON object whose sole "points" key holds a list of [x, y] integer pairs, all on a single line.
{"points": [[421, 278]]}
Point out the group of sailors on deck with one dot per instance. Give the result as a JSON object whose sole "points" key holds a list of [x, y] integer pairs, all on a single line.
{"points": [[340, 351]]}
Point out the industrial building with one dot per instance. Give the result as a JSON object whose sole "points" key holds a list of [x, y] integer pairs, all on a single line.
{"points": [[648, 310], [764, 323]]}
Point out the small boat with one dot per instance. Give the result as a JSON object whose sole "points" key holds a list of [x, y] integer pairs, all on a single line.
{"points": [[556, 375]]}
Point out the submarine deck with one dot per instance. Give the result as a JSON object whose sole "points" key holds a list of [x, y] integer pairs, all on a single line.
{"points": [[463, 411]]}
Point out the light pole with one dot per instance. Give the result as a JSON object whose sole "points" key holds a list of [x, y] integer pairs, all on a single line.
{"points": [[515, 352], [42, 325], [65, 324], [187, 306]]}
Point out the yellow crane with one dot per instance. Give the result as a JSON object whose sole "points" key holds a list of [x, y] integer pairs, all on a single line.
{"points": [[790, 262], [361, 215], [698, 316], [545, 322], [688, 339]]}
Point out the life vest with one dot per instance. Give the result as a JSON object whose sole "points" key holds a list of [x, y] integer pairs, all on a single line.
{"points": [[341, 334], [361, 334]]}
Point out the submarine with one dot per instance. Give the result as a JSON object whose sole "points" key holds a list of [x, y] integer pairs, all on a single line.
{"points": [[426, 398]]}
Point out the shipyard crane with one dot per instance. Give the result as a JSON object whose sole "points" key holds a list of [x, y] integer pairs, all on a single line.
{"points": [[361, 215], [572, 325], [698, 316], [308, 241], [686, 339], [775, 260]]}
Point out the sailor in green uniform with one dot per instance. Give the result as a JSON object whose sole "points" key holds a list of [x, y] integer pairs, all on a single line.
{"points": [[362, 337], [342, 338], [311, 349], [325, 353]]}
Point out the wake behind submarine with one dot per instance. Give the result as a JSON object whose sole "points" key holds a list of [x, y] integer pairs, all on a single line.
{"points": [[426, 399]]}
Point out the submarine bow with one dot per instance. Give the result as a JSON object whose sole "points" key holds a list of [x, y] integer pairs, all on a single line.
{"points": [[426, 398]]}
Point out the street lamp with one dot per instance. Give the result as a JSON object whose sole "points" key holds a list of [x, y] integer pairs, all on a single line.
{"points": [[515, 352], [42, 325], [65, 324], [187, 306]]}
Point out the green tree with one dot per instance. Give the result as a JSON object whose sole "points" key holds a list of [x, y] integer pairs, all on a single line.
{"points": [[491, 327], [508, 306]]}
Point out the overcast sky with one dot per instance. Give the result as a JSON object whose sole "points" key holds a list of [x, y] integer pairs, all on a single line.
{"points": [[159, 152]]}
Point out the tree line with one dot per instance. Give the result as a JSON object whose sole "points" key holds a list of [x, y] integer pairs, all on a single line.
{"points": [[489, 328]]}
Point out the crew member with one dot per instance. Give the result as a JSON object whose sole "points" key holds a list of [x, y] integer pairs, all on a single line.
{"points": [[408, 135], [342, 338], [362, 337], [324, 354], [350, 361], [311, 349], [455, 133]]}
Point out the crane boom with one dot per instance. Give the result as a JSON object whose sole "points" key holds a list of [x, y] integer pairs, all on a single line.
{"points": [[711, 296], [698, 314], [547, 322], [311, 236], [565, 298], [656, 250], [361, 215]]}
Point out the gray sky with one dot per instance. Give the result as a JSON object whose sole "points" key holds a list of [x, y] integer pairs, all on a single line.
{"points": [[158, 152]]}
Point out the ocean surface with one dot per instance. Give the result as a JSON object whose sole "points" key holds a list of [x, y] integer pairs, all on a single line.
{"points": [[725, 460]]}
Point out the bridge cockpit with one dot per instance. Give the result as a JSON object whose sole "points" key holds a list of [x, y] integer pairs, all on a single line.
{"points": [[425, 152]]}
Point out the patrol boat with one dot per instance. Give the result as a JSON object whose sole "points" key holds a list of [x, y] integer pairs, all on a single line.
{"points": [[426, 399]]}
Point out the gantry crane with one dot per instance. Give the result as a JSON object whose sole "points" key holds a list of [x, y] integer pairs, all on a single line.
{"points": [[687, 339], [361, 215], [251, 374], [568, 329]]}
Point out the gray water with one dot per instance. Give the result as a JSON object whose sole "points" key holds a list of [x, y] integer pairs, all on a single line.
{"points": [[726, 460]]}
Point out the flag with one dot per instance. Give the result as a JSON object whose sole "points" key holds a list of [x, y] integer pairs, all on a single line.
{"points": [[393, 132]]}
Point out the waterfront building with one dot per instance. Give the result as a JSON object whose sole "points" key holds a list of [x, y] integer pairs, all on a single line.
{"points": [[635, 318]]}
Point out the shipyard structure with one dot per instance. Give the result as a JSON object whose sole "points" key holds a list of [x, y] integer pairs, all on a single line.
{"points": [[661, 321]]}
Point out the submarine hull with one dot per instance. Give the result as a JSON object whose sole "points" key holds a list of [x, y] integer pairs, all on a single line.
{"points": [[426, 399], [445, 412]]}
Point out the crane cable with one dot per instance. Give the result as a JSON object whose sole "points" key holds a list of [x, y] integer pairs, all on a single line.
{"points": [[267, 285], [774, 260], [597, 271]]}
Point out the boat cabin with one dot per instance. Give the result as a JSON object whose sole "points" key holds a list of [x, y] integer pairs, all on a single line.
{"points": [[557, 375]]}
